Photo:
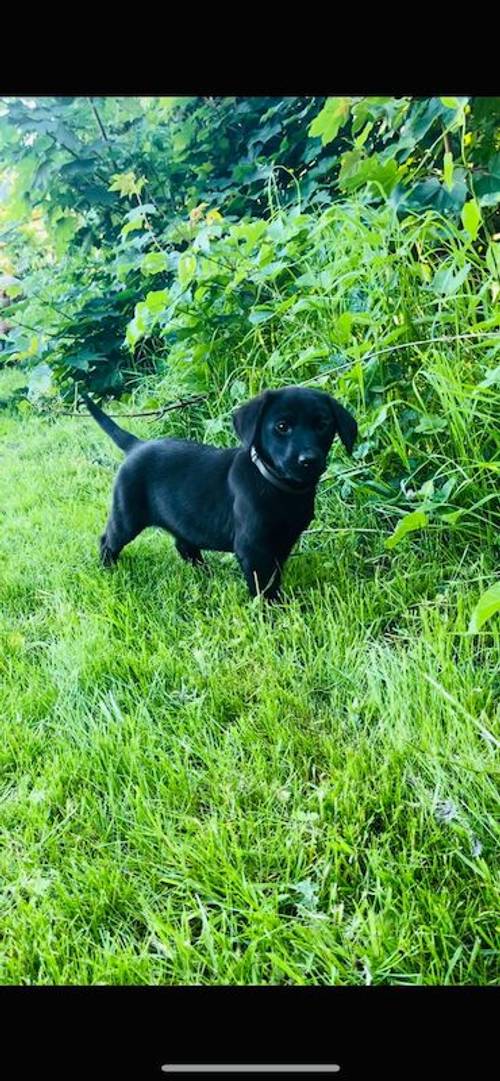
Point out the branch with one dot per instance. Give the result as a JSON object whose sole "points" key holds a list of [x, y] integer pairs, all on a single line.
{"points": [[102, 131], [182, 404], [41, 333]]}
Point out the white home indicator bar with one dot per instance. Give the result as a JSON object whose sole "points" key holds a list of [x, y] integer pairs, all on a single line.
{"points": [[247, 1067]]}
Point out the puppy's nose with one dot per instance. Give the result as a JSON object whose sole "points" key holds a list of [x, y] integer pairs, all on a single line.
{"points": [[307, 459]]}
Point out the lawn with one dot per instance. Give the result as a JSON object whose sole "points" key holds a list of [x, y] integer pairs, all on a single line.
{"points": [[196, 790]]}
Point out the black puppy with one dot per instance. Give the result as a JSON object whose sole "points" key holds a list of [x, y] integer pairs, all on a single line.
{"points": [[254, 501]]}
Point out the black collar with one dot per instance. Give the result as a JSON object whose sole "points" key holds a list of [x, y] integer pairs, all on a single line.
{"points": [[273, 478]]}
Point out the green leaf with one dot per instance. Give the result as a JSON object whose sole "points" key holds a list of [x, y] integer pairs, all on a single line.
{"points": [[65, 229], [487, 185], [214, 426], [251, 233], [430, 193], [186, 268], [81, 359], [448, 170], [155, 262], [457, 105], [269, 271], [424, 113], [350, 165], [417, 519], [130, 226], [136, 217], [429, 424], [357, 169], [471, 218], [493, 259], [157, 301], [260, 316], [446, 282], [202, 240], [492, 379], [127, 184], [140, 212], [343, 328], [139, 325], [362, 137], [332, 117], [427, 489], [310, 354], [486, 607]]}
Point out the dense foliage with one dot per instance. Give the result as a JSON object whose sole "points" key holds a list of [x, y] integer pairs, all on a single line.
{"points": [[186, 245], [153, 208]]}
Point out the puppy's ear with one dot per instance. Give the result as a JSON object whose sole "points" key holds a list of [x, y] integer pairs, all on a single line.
{"points": [[345, 424], [246, 419]]}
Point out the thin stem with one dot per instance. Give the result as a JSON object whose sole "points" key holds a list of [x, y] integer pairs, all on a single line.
{"points": [[182, 404], [102, 130]]}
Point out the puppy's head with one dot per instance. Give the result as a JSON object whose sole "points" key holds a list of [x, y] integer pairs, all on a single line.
{"points": [[293, 429]]}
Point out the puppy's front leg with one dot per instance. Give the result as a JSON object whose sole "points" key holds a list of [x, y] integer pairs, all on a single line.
{"points": [[261, 569], [189, 552]]}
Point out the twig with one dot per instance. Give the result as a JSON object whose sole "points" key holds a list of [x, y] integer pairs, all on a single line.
{"points": [[102, 131], [26, 326], [182, 404]]}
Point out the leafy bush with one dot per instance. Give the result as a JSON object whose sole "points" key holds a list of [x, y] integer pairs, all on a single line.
{"points": [[71, 162], [179, 245]]}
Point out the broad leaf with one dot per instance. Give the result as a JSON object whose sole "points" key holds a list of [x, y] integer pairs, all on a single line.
{"points": [[487, 185], [471, 218], [433, 195], [330, 120], [447, 281], [486, 607], [154, 262], [186, 268], [127, 184], [260, 316], [429, 424], [213, 217], [157, 301], [493, 259], [358, 170], [448, 171], [417, 519]]}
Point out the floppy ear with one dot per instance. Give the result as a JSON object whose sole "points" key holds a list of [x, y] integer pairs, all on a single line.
{"points": [[246, 418], [345, 424]]}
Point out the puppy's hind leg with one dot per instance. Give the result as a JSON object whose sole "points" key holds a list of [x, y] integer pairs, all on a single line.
{"points": [[127, 517], [188, 551], [117, 534]]}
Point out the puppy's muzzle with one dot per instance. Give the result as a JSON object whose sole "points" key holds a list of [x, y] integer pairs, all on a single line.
{"points": [[309, 462]]}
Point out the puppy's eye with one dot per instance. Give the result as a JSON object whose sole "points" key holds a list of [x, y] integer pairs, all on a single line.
{"points": [[282, 427]]}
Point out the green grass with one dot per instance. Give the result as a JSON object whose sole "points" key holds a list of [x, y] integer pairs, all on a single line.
{"points": [[196, 790]]}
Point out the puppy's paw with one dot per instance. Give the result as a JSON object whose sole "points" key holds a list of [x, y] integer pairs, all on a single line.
{"points": [[108, 558], [190, 553]]}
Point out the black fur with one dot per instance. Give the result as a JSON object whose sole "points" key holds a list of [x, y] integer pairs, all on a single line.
{"points": [[216, 499]]}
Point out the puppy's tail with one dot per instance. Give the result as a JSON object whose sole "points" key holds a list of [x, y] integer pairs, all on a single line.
{"points": [[124, 440]]}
